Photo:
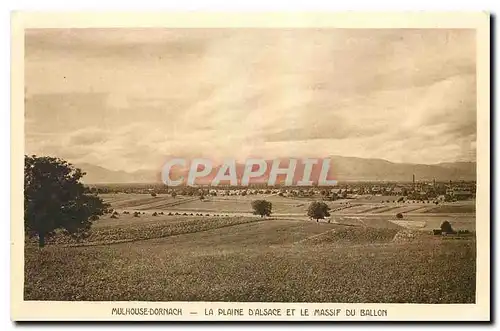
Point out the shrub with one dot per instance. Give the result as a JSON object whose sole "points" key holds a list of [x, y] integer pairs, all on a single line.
{"points": [[399, 215], [153, 194], [155, 214]]}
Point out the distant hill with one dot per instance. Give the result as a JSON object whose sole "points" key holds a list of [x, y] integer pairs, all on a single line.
{"points": [[352, 168], [343, 169], [99, 175]]}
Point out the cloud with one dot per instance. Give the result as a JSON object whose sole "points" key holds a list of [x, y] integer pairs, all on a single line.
{"points": [[125, 98]]}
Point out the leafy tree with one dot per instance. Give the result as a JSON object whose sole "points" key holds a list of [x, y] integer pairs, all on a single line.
{"points": [[446, 227], [55, 199], [318, 210], [262, 207]]}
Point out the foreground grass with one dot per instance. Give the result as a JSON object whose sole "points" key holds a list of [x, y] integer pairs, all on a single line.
{"points": [[263, 261]]}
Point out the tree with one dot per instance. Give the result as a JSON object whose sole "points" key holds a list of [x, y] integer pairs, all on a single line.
{"points": [[446, 227], [55, 199], [174, 194], [318, 210], [399, 215], [262, 207]]}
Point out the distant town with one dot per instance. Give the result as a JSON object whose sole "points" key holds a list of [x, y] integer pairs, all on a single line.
{"points": [[425, 191]]}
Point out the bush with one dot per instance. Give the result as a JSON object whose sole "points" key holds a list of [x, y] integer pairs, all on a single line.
{"points": [[155, 214], [399, 215], [114, 216], [318, 210], [153, 194]]}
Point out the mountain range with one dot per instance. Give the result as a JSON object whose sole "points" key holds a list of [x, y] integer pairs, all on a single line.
{"points": [[343, 168]]}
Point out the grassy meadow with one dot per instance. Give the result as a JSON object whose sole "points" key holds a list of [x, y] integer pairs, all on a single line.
{"points": [[231, 256]]}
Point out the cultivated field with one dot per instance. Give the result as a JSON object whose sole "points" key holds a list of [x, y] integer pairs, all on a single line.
{"points": [[364, 254]]}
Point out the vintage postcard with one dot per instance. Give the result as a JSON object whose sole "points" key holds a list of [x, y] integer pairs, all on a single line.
{"points": [[250, 167]]}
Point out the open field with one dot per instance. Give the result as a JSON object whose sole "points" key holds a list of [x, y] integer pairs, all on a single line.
{"points": [[272, 260], [241, 204], [461, 214], [231, 256]]}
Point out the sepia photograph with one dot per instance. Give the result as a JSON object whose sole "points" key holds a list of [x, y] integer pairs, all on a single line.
{"points": [[252, 164]]}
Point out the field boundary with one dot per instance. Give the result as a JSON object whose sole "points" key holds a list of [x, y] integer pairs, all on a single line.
{"points": [[123, 241]]}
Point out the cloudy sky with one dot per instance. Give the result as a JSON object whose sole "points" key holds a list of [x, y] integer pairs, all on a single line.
{"points": [[126, 98]]}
